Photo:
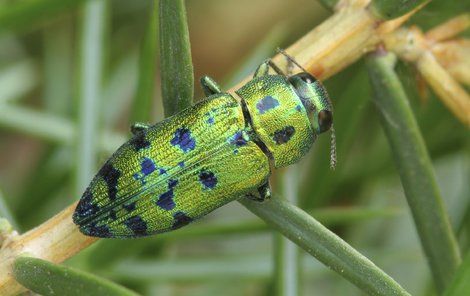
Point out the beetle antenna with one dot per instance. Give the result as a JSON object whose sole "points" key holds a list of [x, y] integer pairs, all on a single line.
{"points": [[291, 59], [333, 159]]}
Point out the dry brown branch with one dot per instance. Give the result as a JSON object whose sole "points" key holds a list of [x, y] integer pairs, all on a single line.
{"points": [[412, 45], [55, 240], [449, 29]]}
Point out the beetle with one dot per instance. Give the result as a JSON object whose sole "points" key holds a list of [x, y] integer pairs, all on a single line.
{"points": [[220, 149]]}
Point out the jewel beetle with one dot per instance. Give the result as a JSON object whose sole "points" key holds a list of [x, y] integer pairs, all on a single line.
{"points": [[220, 149]]}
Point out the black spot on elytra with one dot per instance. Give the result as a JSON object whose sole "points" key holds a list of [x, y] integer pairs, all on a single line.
{"points": [[238, 139], [172, 183], [85, 207], [110, 175], [148, 166], [137, 225], [139, 142], [98, 231], [183, 139], [180, 220], [266, 104], [129, 207], [283, 135], [112, 215], [165, 200], [208, 179]]}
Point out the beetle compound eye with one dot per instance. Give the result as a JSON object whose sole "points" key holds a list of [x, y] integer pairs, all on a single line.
{"points": [[307, 78], [304, 76], [325, 120]]}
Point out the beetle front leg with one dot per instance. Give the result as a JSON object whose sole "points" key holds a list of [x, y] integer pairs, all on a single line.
{"points": [[209, 86], [263, 69], [261, 194]]}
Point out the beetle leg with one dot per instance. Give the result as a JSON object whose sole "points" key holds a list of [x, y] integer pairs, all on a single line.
{"points": [[209, 86], [139, 127], [265, 191], [262, 69], [262, 193]]}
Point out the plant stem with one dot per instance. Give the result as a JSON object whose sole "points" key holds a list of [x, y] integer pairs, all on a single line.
{"points": [[451, 93], [141, 109], [286, 261], [410, 44], [51, 128], [90, 90], [390, 9], [449, 29], [460, 284], [58, 57], [46, 278], [55, 240], [415, 168], [322, 50], [175, 57], [321, 243]]}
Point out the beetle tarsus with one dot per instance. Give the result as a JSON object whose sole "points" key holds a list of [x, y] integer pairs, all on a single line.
{"points": [[261, 194]]}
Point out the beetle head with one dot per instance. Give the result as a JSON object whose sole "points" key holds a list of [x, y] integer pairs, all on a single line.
{"points": [[315, 100]]}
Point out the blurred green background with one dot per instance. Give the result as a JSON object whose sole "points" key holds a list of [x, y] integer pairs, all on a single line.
{"points": [[43, 119]]}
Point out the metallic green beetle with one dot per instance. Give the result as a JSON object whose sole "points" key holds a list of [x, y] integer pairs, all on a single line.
{"points": [[214, 152]]}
